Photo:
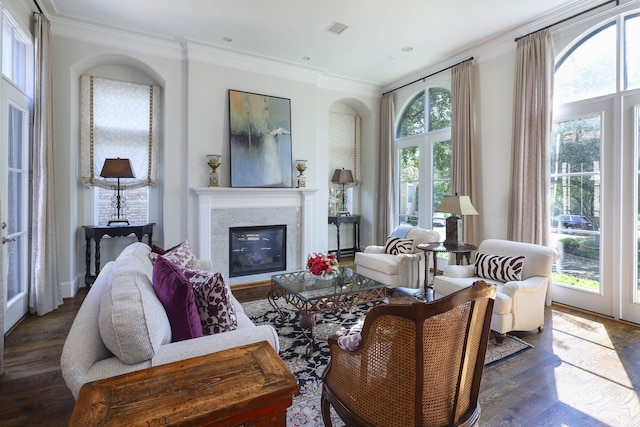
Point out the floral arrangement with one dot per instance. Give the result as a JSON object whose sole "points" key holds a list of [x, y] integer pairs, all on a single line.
{"points": [[319, 264]]}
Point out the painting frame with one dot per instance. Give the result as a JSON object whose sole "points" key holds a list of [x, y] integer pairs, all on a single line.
{"points": [[260, 140]]}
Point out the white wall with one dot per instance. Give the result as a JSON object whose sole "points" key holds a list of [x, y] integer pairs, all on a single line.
{"points": [[194, 82]]}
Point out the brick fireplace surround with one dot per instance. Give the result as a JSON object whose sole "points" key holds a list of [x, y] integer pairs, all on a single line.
{"points": [[219, 208]]}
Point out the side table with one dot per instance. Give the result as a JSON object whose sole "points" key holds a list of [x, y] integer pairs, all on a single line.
{"points": [[347, 219], [97, 232], [461, 251], [249, 386]]}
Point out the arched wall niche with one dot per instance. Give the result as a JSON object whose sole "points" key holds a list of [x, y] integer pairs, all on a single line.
{"points": [[360, 197]]}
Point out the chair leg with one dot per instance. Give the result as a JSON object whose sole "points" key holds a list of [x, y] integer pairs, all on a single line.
{"points": [[500, 338], [540, 328], [326, 411]]}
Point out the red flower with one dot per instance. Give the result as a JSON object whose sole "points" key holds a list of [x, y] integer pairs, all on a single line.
{"points": [[319, 263]]}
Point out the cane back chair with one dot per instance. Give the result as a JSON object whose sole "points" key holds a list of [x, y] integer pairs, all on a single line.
{"points": [[417, 364]]}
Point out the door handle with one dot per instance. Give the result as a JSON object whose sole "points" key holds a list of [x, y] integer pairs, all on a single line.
{"points": [[5, 240]]}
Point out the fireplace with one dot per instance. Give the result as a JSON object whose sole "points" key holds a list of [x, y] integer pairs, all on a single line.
{"points": [[257, 249], [221, 208]]}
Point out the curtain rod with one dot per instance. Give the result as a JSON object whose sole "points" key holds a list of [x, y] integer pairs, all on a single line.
{"points": [[38, 6], [570, 17], [426, 77]]}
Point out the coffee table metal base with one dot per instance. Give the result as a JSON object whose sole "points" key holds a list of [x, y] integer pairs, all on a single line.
{"points": [[310, 307]]}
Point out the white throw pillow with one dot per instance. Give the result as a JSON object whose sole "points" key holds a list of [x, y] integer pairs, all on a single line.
{"points": [[133, 324]]}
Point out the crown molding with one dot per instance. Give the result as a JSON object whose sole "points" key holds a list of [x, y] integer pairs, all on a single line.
{"points": [[119, 39]]}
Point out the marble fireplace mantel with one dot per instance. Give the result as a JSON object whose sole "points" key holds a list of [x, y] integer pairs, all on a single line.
{"points": [[214, 205]]}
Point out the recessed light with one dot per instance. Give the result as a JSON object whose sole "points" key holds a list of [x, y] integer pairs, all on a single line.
{"points": [[406, 49], [227, 39]]}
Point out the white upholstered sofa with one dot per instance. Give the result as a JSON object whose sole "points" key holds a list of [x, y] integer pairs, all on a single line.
{"points": [[124, 301], [519, 304], [403, 270]]}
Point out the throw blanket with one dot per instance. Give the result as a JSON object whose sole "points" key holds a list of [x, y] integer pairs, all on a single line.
{"points": [[401, 231]]}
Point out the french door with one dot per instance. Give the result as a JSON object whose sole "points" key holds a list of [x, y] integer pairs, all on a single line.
{"points": [[630, 204], [14, 169], [595, 217]]}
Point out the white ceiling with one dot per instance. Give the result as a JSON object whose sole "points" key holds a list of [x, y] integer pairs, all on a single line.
{"points": [[289, 30]]}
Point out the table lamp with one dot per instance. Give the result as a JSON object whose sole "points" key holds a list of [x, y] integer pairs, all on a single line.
{"points": [[455, 205], [345, 177], [117, 168]]}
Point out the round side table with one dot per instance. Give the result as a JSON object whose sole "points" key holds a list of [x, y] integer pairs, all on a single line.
{"points": [[461, 251]]}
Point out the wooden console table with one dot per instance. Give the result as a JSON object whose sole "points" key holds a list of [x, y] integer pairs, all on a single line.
{"points": [[246, 386], [347, 219], [97, 232]]}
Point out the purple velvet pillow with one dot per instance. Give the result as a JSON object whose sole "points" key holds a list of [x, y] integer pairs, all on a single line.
{"points": [[176, 295], [214, 301]]}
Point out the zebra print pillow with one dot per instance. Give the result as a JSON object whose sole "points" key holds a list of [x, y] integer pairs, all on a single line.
{"points": [[500, 268], [396, 245]]}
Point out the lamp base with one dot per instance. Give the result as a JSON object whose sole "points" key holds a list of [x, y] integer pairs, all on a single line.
{"points": [[118, 221], [453, 234]]}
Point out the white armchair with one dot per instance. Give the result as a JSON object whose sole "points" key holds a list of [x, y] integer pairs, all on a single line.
{"points": [[406, 270], [519, 304]]}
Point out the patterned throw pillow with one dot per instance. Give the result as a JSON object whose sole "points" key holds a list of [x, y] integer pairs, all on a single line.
{"points": [[214, 301], [177, 297], [396, 245], [182, 255], [500, 268]]}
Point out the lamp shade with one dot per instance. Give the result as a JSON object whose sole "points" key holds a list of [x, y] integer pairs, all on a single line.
{"points": [[459, 205], [117, 168], [342, 176]]}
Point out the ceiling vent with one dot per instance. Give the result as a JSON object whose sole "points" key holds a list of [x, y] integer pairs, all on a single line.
{"points": [[336, 27]]}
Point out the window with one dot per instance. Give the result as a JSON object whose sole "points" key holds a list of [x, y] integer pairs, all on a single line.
{"points": [[119, 119], [14, 53], [424, 151]]}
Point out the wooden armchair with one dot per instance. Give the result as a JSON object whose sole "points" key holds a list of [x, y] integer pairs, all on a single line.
{"points": [[417, 365]]}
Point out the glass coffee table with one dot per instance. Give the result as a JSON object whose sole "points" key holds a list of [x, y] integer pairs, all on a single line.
{"points": [[313, 295]]}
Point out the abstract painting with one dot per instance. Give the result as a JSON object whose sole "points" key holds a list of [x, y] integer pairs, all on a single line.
{"points": [[260, 137]]}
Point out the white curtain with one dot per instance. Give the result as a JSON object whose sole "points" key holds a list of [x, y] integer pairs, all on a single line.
{"points": [[462, 131], [45, 293], [386, 188], [119, 119], [532, 120]]}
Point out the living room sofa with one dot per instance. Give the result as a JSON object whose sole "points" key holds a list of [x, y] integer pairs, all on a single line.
{"points": [[136, 325]]}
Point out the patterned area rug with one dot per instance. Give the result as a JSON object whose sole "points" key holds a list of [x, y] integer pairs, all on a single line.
{"points": [[305, 410]]}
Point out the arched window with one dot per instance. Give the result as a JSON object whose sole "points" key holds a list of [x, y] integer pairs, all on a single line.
{"points": [[423, 140]]}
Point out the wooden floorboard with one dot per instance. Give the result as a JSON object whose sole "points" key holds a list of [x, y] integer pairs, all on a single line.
{"points": [[584, 371]]}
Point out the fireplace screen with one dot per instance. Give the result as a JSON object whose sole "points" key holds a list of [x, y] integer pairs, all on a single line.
{"points": [[254, 250]]}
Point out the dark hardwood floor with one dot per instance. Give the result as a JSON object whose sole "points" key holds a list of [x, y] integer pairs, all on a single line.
{"points": [[584, 371]]}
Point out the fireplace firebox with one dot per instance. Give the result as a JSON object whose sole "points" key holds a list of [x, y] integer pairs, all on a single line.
{"points": [[257, 249]]}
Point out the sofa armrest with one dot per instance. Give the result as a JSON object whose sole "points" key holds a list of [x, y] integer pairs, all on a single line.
{"points": [[459, 271], [530, 285], [374, 249], [409, 269]]}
